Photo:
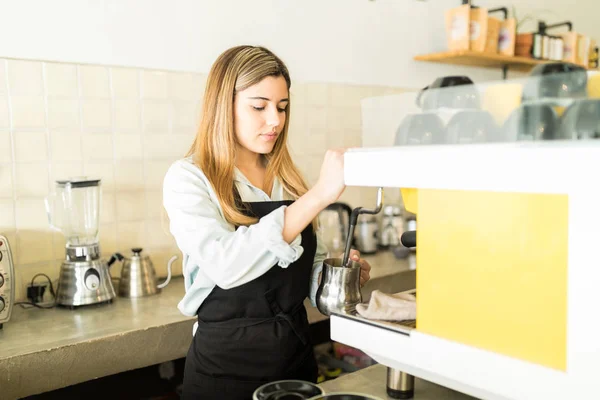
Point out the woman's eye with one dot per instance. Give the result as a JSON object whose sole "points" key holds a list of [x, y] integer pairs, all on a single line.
{"points": [[281, 110], [258, 108]]}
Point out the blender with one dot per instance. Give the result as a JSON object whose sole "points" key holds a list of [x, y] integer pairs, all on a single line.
{"points": [[74, 210]]}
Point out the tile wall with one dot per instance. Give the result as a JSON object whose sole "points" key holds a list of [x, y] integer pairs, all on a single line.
{"points": [[126, 126]]}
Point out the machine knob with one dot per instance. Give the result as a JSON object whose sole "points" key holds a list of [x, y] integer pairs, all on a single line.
{"points": [[92, 279], [1, 280], [2, 304]]}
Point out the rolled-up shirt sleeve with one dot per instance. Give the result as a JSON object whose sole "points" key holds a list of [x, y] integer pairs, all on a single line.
{"points": [[229, 257], [317, 268]]}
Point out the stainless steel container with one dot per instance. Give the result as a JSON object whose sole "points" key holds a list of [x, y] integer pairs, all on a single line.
{"points": [[366, 237], [400, 385], [339, 290]]}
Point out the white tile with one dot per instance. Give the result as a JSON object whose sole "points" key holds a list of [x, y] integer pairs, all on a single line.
{"points": [[61, 80], [6, 185], [343, 119], [347, 95], [184, 86], [299, 142], [103, 171], [25, 78], [65, 146], [30, 147], [317, 94], [316, 119], [154, 85], [7, 215], [310, 166], [31, 180], [63, 113], [94, 81], [108, 243], [125, 83], [131, 234], [155, 116], [35, 246], [155, 149], [317, 144], [128, 147], [297, 120], [154, 204], [97, 146], [155, 173], [64, 170], [131, 206], [4, 114], [129, 176], [96, 115], [28, 112], [31, 214], [158, 235], [5, 147], [185, 116], [348, 138], [3, 89], [108, 208], [298, 94], [128, 115]]}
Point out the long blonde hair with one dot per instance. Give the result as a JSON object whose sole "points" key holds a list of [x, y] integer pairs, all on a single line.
{"points": [[214, 147]]}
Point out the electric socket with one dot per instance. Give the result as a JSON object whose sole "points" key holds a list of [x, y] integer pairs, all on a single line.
{"points": [[35, 292]]}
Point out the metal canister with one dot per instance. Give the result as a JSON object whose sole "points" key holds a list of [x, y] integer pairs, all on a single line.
{"points": [[400, 385]]}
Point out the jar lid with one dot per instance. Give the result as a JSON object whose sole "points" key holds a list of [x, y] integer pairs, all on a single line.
{"points": [[78, 182]]}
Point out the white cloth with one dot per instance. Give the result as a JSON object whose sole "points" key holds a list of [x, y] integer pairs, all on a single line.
{"points": [[214, 253], [389, 307]]}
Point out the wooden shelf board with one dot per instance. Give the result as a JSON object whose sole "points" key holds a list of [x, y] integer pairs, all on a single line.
{"points": [[486, 60]]}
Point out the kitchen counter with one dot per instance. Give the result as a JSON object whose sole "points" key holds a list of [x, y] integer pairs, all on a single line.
{"points": [[372, 381], [46, 349]]}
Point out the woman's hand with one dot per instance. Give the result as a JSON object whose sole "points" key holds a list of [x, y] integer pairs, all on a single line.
{"points": [[331, 179], [365, 267]]}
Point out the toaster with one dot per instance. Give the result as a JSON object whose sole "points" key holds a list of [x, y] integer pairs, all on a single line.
{"points": [[7, 281]]}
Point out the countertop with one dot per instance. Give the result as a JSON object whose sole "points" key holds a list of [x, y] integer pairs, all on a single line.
{"points": [[372, 381], [46, 349]]}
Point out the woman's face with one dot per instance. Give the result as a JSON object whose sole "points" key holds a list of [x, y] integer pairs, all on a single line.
{"points": [[259, 114]]}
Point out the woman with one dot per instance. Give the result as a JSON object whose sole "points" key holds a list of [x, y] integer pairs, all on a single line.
{"points": [[244, 219]]}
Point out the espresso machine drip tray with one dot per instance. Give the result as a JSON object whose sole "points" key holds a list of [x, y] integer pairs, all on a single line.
{"points": [[404, 327]]}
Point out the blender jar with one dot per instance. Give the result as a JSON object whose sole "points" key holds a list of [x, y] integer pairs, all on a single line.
{"points": [[74, 210]]}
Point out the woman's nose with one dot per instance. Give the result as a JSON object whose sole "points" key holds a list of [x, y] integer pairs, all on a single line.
{"points": [[274, 118]]}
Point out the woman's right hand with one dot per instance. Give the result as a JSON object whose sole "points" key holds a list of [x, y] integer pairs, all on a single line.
{"points": [[331, 179]]}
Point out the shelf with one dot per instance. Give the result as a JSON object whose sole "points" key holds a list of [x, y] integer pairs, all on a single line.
{"points": [[485, 60]]}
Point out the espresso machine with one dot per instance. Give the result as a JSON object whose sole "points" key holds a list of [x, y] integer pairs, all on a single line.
{"points": [[74, 210]]}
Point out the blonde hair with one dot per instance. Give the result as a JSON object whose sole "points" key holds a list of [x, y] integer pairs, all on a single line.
{"points": [[214, 147]]}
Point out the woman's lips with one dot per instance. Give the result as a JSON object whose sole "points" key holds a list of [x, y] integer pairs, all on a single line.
{"points": [[269, 136]]}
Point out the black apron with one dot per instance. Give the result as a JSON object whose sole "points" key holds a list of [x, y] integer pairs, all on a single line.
{"points": [[254, 333]]}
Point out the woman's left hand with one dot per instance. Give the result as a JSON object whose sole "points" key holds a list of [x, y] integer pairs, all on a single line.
{"points": [[365, 267]]}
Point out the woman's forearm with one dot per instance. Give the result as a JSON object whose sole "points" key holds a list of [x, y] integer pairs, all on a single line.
{"points": [[301, 213]]}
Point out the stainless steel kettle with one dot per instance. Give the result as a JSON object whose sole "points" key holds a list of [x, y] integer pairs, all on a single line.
{"points": [[138, 276]]}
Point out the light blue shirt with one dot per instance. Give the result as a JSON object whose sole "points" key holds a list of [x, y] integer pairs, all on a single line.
{"points": [[214, 252]]}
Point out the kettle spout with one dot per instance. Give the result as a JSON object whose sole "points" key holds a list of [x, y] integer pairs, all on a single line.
{"points": [[166, 282]]}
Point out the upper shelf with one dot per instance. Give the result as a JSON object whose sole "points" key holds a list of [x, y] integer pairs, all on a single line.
{"points": [[478, 59]]}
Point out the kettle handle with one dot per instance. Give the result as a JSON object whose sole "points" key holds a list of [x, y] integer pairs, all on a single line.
{"points": [[166, 282], [115, 257]]}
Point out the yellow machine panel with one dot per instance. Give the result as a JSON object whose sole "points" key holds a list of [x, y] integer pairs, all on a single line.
{"points": [[492, 271]]}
